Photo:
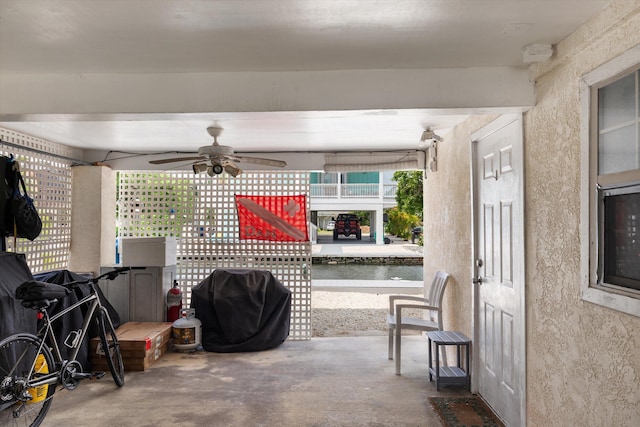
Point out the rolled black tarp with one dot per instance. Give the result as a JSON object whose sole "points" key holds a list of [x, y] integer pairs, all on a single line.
{"points": [[242, 310]]}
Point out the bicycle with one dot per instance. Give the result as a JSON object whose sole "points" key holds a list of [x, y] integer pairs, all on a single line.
{"points": [[31, 366]]}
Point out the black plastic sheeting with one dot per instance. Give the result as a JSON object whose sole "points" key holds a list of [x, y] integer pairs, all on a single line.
{"points": [[72, 321], [14, 318], [242, 310]]}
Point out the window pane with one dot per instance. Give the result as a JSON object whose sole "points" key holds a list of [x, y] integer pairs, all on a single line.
{"points": [[324, 178], [622, 240], [618, 151], [616, 102], [330, 178]]}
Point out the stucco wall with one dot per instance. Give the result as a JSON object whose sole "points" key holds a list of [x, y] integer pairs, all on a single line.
{"points": [[583, 360], [448, 221]]}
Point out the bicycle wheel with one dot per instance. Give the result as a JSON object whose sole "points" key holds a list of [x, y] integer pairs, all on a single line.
{"points": [[23, 359], [110, 346]]}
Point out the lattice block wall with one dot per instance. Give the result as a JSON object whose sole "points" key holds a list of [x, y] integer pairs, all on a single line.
{"points": [[48, 181], [200, 211]]}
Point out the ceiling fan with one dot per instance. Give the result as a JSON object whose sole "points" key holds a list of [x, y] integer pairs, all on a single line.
{"points": [[215, 158]]}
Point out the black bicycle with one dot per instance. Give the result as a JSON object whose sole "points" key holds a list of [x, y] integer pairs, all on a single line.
{"points": [[31, 366]]}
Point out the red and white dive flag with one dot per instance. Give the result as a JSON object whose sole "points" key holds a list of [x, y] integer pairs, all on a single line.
{"points": [[275, 218]]}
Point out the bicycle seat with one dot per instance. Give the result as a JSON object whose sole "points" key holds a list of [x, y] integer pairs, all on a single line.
{"points": [[33, 291]]}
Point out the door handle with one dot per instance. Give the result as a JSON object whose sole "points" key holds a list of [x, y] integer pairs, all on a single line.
{"points": [[477, 279]]}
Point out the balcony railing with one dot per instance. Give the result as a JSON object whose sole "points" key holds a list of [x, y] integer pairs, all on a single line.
{"points": [[352, 191], [358, 191], [390, 191], [324, 190]]}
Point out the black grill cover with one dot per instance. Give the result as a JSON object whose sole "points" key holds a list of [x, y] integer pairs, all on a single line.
{"points": [[242, 310], [14, 317]]}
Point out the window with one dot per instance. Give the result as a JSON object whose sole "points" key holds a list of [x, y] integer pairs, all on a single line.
{"points": [[611, 186], [324, 178], [617, 179], [620, 251]]}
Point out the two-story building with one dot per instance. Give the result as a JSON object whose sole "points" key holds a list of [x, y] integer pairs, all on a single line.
{"points": [[335, 192]]}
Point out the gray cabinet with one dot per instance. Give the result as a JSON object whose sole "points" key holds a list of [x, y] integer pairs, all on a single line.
{"points": [[139, 295]]}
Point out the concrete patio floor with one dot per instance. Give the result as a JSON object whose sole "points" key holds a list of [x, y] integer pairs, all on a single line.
{"points": [[327, 381], [344, 381]]}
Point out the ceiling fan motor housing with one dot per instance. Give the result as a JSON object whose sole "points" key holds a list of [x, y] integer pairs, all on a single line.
{"points": [[215, 150]]}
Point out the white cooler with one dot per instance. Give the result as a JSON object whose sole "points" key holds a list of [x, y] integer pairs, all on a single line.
{"points": [[148, 251]]}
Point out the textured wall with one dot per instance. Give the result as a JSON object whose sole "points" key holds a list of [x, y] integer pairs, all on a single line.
{"points": [[447, 223], [583, 360]]}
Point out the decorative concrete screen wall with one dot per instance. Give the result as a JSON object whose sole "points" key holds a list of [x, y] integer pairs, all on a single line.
{"points": [[200, 211], [46, 169]]}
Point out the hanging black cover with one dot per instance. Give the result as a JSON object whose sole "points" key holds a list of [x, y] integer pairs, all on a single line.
{"points": [[14, 318], [72, 321], [242, 310]]}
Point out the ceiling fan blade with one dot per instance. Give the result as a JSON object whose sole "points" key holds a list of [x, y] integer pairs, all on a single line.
{"points": [[176, 159], [259, 161]]}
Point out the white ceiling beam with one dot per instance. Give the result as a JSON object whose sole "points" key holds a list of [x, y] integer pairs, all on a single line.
{"points": [[457, 90]]}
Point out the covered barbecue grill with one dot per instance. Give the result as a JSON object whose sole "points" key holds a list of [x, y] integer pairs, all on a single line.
{"points": [[242, 310]]}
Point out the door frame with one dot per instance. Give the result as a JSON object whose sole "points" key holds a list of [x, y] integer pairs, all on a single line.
{"points": [[475, 138]]}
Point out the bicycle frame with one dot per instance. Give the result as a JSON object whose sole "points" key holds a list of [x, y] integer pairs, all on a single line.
{"points": [[23, 352], [46, 334]]}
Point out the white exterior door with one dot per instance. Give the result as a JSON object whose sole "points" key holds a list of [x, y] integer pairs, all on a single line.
{"points": [[499, 283]]}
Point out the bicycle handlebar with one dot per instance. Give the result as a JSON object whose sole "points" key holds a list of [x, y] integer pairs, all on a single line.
{"points": [[109, 275]]}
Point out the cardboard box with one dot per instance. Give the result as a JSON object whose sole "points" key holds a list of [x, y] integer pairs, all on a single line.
{"points": [[149, 251], [132, 364], [141, 344]]}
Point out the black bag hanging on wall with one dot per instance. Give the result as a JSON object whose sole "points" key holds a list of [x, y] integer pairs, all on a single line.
{"points": [[18, 215], [25, 216]]}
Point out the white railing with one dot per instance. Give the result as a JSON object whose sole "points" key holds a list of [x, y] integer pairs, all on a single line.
{"points": [[355, 191], [313, 233], [389, 191], [324, 190], [352, 191]]}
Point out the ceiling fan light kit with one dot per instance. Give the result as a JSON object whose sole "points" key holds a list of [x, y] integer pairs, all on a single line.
{"points": [[216, 169], [232, 170], [199, 167]]}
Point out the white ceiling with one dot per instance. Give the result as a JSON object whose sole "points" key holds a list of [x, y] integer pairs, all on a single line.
{"points": [[244, 51]]}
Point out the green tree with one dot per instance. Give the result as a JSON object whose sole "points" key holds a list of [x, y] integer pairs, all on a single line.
{"points": [[400, 223], [409, 191]]}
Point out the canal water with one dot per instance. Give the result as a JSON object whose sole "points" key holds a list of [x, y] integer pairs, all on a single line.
{"points": [[366, 272]]}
